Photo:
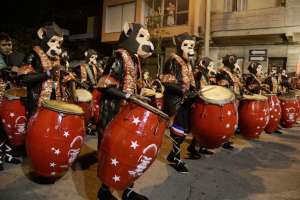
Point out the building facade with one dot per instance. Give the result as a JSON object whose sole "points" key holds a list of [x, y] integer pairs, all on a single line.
{"points": [[265, 31]]}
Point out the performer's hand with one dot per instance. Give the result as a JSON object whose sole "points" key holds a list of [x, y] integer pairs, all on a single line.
{"points": [[192, 94], [127, 96], [68, 77]]}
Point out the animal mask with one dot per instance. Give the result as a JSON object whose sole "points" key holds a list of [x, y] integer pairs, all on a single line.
{"points": [[91, 56], [230, 61], [52, 39], [136, 39], [209, 65], [256, 69], [185, 44]]}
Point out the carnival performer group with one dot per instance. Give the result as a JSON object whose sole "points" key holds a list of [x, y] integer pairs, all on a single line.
{"points": [[47, 106]]}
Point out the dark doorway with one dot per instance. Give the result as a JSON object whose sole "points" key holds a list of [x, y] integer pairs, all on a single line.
{"points": [[278, 62]]}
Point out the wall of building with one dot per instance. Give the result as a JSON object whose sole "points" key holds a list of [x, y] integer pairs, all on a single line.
{"points": [[258, 4], [291, 52]]}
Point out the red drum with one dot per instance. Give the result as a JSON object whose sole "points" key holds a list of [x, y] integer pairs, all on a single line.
{"points": [[214, 117], [85, 102], [297, 94], [96, 105], [13, 116], [290, 111], [253, 115], [55, 135], [275, 113], [129, 146]]}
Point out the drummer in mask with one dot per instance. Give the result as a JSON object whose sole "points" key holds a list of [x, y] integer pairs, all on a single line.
{"points": [[284, 85], [272, 80], [229, 75], [180, 90], [119, 82], [253, 83], [205, 74], [89, 72], [42, 73]]}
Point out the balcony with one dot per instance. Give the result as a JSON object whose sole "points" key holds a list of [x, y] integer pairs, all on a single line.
{"points": [[253, 22]]}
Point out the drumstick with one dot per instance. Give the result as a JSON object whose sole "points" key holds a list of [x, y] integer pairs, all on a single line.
{"points": [[149, 107]]}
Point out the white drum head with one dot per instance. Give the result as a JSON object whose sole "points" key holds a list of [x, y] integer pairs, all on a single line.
{"points": [[84, 95], [217, 95], [256, 97]]}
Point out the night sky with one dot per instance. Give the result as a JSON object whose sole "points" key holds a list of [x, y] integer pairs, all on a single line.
{"points": [[19, 14]]}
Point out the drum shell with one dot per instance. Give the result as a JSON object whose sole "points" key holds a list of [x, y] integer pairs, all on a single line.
{"points": [[14, 120], [275, 114], [87, 108], [253, 117], [54, 137], [96, 105], [290, 111], [132, 125], [211, 124]]}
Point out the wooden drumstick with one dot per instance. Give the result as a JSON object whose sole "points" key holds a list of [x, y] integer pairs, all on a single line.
{"points": [[149, 107]]}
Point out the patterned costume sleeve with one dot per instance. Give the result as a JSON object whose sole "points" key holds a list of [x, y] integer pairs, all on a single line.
{"points": [[32, 72], [170, 78], [112, 75]]}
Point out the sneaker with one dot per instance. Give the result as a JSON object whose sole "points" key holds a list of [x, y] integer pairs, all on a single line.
{"points": [[181, 167], [278, 132], [10, 159], [1, 166], [228, 145], [129, 194], [193, 153], [105, 194], [171, 157], [205, 151]]}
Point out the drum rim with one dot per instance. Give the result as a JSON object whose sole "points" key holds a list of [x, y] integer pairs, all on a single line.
{"points": [[287, 99], [218, 102], [13, 97], [266, 98], [46, 105]]}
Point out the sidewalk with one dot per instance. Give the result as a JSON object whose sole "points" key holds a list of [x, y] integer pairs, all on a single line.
{"points": [[265, 169]]}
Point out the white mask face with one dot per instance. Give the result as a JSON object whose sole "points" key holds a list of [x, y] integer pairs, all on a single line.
{"points": [[54, 45], [187, 48], [146, 47], [93, 60], [211, 69], [237, 69], [259, 71]]}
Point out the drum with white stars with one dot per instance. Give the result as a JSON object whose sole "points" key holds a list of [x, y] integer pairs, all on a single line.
{"points": [[253, 115], [13, 116], [214, 117], [290, 110], [55, 135], [129, 146], [275, 113]]}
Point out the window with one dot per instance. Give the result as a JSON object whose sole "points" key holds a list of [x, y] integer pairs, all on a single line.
{"points": [[116, 16], [235, 5], [166, 12]]}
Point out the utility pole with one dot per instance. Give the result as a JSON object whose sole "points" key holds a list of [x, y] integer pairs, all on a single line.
{"points": [[207, 27]]}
